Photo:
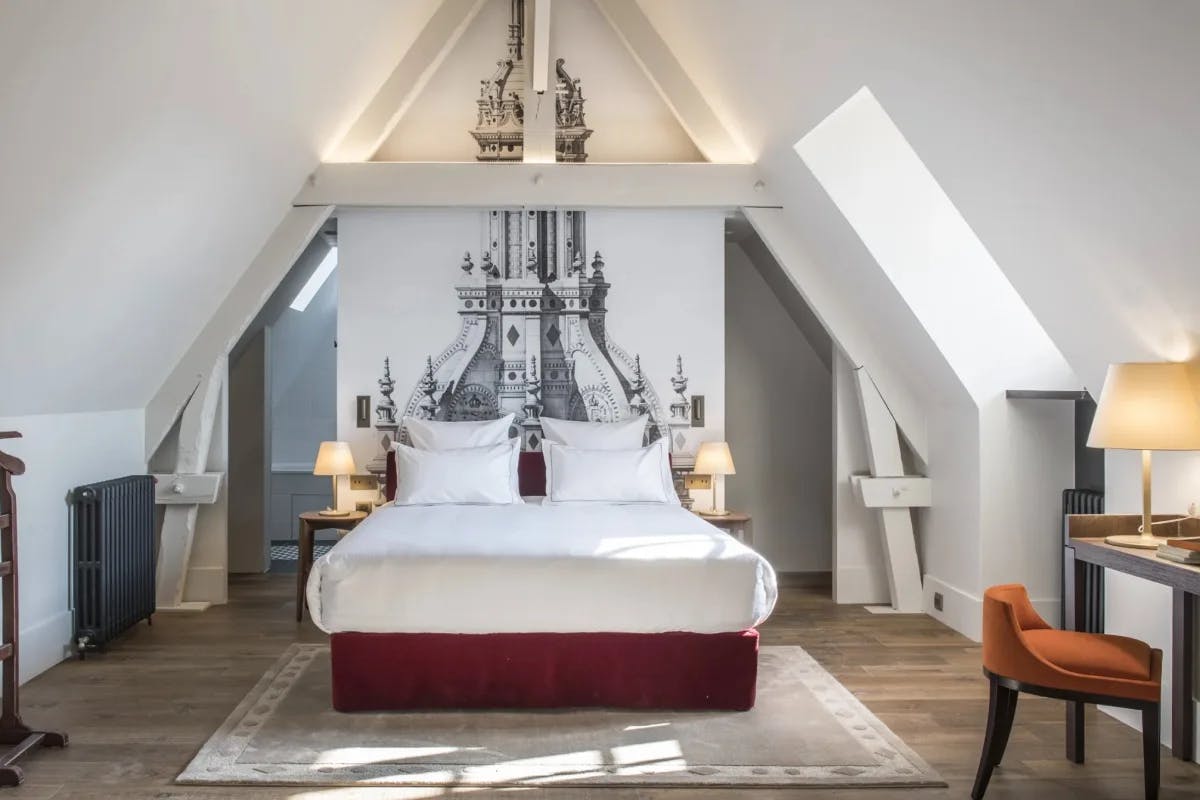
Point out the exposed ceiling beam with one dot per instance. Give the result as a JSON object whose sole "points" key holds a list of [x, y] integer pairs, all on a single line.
{"points": [[694, 113], [541, 45], [396, 95], [540, 118], [234, 315], [505, 185]]}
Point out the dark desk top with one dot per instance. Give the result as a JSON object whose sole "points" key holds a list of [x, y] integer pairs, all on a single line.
{"points": [[1135, 561]]}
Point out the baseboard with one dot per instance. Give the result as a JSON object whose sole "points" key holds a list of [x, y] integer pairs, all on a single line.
{"points": [[1134, 720], [45, 643], [963, 611], [207, 585], [816, 579]]}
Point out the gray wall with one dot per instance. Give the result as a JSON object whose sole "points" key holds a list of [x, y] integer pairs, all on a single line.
{"points": [[778, 422]]}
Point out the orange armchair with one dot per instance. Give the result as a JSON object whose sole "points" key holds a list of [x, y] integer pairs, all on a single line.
{"points": [[1022, 653]]}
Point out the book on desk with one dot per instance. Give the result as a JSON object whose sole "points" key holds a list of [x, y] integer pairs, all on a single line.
{"points": [[1185, 550]]}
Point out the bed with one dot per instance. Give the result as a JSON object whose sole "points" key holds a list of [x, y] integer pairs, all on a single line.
{"points": [[541, 605]]}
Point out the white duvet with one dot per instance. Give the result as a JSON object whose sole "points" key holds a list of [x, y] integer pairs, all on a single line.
{"points": [[563, 568]]}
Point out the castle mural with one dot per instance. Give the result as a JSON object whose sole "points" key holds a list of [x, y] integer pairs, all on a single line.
{"points": [[533, 340]]}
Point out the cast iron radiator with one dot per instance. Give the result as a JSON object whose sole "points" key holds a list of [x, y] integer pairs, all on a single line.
{"points": [[112, 529], [1091, 579]]}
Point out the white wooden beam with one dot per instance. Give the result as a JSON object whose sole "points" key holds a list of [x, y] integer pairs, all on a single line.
{"points": [[541, 121], [495, 185], [276, 257], [179, 521], [896, 526], [412, 73], [673, 83]]}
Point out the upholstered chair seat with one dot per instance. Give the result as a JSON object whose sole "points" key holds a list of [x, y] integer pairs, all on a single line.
{"points": [[1022, 653]]}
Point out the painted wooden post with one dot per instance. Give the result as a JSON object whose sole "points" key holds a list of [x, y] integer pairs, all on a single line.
{"points": [[179, 520], [896, 527]]}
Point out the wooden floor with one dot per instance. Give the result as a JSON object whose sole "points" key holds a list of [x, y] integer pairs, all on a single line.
{"points": [[138, 713]]}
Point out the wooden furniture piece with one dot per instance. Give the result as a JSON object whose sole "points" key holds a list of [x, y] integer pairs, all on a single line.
{"points": [[1085, 557], [1022, 653], [310, 523], [13, 731], [734, 523]]}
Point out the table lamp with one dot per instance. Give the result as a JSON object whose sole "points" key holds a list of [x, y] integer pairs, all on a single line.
{"points": [[1146, 407], [334, 459], [714, 459]]}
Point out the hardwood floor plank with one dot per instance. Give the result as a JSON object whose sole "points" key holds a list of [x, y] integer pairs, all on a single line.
{"points": [[138, 713]]}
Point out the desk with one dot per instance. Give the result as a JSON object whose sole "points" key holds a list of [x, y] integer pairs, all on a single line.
{"points": [[310, 523], [1085, 556]]}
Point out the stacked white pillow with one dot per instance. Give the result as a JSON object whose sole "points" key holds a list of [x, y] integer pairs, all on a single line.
{"points": [[639, 475], [604, 462], [458, 462]]}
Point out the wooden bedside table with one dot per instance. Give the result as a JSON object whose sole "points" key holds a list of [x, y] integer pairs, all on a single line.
{"points": [[733, 523], [310, 523]]}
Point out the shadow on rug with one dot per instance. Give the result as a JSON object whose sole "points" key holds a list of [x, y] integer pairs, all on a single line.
{"points": [[806, 730]]}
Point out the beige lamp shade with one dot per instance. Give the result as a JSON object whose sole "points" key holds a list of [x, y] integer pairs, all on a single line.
{"points": [[1147, 407], [334, 458], [714, 458]]}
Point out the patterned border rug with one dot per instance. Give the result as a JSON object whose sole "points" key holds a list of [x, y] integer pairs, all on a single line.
{"points": [[805, 730]]}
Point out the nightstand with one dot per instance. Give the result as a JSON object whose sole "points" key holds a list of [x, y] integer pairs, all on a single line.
{"points": [[310, 523], [733, 523]]}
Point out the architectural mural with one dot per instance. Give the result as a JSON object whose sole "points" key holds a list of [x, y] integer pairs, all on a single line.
{"points": [[499, 128], [533, 340]]}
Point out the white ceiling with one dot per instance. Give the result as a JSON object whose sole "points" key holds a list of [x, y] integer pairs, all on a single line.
{"points": [[1065, 132], [147, 149]]}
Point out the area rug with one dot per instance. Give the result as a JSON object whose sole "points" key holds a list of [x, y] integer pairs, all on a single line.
{"points": [[805, 730]]}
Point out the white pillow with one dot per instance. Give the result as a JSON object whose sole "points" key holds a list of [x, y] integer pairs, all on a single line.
{"points": [[427, 434], [625, 435], [484, 475], [642, 475]]}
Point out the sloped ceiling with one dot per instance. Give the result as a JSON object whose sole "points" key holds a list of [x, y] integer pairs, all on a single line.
{"points": [[147, 149], [1064, 131], [630, 121]]}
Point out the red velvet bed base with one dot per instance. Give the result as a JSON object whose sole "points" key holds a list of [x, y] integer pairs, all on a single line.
{"points": [[669, 671]]}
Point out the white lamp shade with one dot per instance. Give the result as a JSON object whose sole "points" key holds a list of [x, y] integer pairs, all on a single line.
{"points": [[1147, 407], [334, 458], [714, 458]]}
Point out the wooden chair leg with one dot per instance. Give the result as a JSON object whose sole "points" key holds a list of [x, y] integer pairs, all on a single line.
{"points": [[1150, 750], [997, 704], [1004, 722], [1075, 740]]}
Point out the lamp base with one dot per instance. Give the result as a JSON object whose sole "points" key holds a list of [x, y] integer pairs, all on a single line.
{"points": [[1135, 540], [333, 512], [715, 512]]}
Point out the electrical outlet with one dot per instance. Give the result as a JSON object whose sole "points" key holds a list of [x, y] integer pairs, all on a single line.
{"points": [[363, 483], [695, 481], [937, 601]]}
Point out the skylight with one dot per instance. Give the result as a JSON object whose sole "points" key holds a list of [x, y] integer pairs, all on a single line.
{"points": [[316, 280], [928, 251]]}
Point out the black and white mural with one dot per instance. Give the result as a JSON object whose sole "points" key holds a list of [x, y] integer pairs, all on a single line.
{"points": [[533, 339], [596, 314]]}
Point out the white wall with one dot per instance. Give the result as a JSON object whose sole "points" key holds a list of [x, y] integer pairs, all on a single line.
{"points": [[779, 424], [396, 297], [304, 380], [60, 451]]}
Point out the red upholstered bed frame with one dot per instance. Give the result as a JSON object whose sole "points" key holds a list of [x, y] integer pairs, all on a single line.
{"points": [[406, 671]]}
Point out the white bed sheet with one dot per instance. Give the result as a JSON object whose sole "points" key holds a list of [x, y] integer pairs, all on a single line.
{"points": [[562, 568]]}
